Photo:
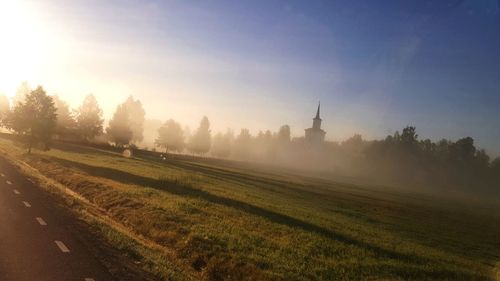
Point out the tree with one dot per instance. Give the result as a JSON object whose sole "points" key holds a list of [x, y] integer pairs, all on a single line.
{"points": [[34, 120], [354, 144], [170, 136], [4, 107], [264, 138], [151, 127], [409, 136], [136, 115], [264, 145], [222, 143], [242, 144], [89, 118], [463, 150], [22, 91], [66, 124], [495, 171], [187, 133], [119, 130], [495, 164], [284, 134], [200, 142]]}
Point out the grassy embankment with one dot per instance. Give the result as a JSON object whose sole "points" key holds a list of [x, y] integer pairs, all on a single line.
{"points": [[188, 219]]}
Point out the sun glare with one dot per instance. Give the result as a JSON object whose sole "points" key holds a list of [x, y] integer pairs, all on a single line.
{"points": [[22, 47]]}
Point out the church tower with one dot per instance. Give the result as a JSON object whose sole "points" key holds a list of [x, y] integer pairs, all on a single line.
{"points": [[315, 135], [317, 120]]}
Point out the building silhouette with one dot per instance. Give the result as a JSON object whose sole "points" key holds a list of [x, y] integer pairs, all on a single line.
{"points": [[315, 135]]}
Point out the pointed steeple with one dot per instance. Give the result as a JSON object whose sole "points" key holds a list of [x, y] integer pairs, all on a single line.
{"points": [[315, 134]]}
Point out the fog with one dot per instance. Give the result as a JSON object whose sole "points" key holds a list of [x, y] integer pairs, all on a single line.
{"points": [[402, 157], [186, 60]]}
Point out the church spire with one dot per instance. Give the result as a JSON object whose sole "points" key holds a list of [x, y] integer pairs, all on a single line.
{"points": [[317, 112]]}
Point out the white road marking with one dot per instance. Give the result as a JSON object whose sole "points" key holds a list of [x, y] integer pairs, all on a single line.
{"points": [[28, 205], [62, 247], [89, 279], [41, 221], [17, 191], [8, 182]]}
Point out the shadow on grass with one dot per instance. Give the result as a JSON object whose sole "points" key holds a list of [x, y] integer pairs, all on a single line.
{"points": [[86, 149], [261, 182], [181, 189]]}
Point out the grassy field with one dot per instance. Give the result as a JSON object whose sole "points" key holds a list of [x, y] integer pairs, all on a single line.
{"points": [[190, 219]]}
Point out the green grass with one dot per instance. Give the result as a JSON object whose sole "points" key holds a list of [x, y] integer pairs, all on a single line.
{"points": [[222, 220]]}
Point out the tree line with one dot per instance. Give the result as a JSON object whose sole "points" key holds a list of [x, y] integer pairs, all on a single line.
{"points": [[37, 119]]}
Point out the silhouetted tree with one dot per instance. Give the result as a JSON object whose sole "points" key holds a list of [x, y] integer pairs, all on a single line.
{"points": [[66, 124], [170, 136], [34, 120], [89, 118], [463, 150], [446, 163], [119, 130], [409, 136], [200, 142], [136, 115]]}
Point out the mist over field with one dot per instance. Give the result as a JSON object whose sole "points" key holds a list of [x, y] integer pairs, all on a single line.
{"points": [[402, 157], [261, 140]]}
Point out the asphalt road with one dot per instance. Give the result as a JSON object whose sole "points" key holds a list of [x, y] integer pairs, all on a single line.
{"points": [[36, 242]]}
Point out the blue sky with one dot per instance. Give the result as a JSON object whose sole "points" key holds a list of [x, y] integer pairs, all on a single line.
{"points": [[376, 66]]}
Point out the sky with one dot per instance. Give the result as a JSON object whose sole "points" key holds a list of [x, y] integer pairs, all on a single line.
{"points": [[376, 66]]}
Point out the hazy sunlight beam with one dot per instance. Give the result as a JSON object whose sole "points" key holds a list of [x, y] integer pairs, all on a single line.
{"points": [[23, 47]]}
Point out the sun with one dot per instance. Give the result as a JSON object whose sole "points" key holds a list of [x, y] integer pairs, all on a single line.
{"points": [[22, 46]]}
